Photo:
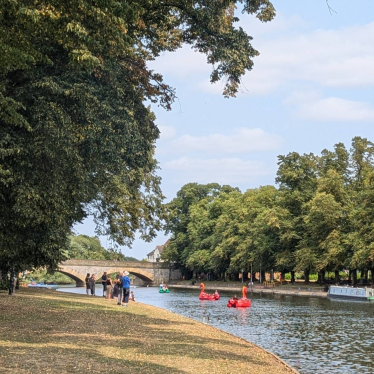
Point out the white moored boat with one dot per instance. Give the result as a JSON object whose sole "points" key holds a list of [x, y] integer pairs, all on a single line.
{"points": [[352, 293]]}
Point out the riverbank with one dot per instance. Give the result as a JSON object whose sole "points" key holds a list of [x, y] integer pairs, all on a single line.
{"points": [[47, 331], [295, 290]]}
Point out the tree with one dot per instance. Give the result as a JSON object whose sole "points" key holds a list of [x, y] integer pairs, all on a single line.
{"points": [[359, 237], [76, 136], [88, 247], [201, 230], [297, 179], [199, 261], [179, 218]]}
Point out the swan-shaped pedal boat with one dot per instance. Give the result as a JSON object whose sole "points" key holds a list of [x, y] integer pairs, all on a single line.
{"points": [[240, 303], [207, 296]]}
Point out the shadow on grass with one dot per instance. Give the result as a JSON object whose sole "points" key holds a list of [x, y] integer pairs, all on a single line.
{"points": [[62, 320], [72, 360]]}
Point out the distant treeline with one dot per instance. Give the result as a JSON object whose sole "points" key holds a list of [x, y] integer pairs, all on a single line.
{"points": [[320, 218], [89, 247], [81, 247]]}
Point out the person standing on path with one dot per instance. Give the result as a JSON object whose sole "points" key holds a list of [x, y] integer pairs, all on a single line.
{"points": [[87, 281], [108, 287], [115, 289], [92, 284], [126, 288], [119, 282], [103, 282]]}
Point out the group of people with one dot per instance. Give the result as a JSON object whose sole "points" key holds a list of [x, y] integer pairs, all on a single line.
{"points": [[117, 289], [163, 287]]}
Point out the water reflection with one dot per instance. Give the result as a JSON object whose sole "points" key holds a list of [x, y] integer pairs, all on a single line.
{"points": [[313, 335]]}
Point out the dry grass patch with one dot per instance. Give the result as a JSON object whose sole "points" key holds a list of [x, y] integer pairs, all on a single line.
{"points": [[48, 331]]}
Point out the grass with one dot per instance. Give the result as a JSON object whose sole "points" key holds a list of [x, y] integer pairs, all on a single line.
{"points": [[47, 331]]}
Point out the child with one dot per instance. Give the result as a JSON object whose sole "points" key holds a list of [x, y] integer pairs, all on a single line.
{"points": [[132, 296]]}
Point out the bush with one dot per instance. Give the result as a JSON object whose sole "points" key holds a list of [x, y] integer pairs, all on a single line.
{"points": [[312, 277], [42, 275], [3, 285]]}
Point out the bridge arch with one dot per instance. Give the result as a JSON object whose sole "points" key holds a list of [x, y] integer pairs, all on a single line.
{"points": [[151, 273], [145, 276], [79, 277], [73, 274]]}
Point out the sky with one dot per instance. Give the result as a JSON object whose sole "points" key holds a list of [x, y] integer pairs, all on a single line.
{"points": [[311, 87]]}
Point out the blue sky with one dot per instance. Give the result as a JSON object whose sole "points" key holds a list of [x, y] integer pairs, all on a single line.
{"points": [[311, 87]]}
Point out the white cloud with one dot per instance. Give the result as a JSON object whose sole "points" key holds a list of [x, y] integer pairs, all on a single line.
{"points": [[280, 24], [336, 109], [299, 97], [244, 140], [255, 83], [328, 58], [166, 132], [222, 170], [182, 63]]}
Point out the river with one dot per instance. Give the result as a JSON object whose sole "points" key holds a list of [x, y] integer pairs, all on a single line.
{"points": [[313, 335]]}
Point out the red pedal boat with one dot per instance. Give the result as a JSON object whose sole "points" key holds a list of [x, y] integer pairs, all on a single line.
{"points": [[240, 303], [207, 296]]}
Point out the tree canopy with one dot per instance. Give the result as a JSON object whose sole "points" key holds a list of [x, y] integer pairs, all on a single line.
{"points": [[88, 247], [76, 134], [319, 219]]}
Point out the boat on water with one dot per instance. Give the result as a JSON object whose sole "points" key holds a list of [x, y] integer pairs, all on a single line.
{"points": [[239, 303], [43, 285], [351, 293], [207, 296], [163, 288], [234, 302]]}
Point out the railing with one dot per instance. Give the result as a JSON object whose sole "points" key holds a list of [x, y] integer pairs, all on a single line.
{"points": [[301, 288], [268, 284]]}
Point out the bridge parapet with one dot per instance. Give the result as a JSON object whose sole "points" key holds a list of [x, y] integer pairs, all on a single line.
{"points": [[148, 272], [113, 263]]}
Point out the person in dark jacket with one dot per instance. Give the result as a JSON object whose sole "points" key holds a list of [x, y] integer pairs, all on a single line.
{"points": [[119, 282], [103, 282], [87, 281], [126, 288], [115, 290]]}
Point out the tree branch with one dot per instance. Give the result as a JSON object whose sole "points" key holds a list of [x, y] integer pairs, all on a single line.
{"points": [[329, 7]]}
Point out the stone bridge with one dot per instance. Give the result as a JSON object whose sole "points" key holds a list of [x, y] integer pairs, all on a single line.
{"points": [[149, 272]]}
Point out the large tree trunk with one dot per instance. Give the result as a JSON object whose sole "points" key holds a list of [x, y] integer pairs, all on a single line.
{"points": [[366, 276], [292, 276], [350, 276], [306, 276], [337, 278], [372, 276], [263, 276], [12, 284], [283, 275], [354, 277], [321, 277]]}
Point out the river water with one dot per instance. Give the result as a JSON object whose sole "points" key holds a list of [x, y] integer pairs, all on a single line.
{"points": [[313, 335]]}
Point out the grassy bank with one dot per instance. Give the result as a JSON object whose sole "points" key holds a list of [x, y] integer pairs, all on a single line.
{"points": [[48, 331]]}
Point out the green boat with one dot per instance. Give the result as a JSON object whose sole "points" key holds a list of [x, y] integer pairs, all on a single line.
{"points": [[163, 291]]}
